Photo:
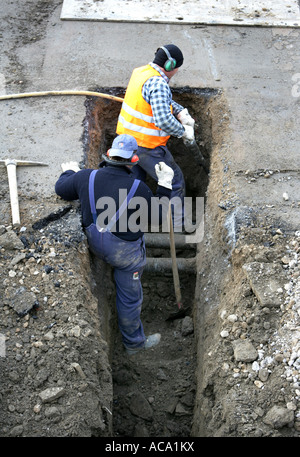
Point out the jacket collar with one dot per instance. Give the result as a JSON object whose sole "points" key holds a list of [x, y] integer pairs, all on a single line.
{"points": [[156, 67]]}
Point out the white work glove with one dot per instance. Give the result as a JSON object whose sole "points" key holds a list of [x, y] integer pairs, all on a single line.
{"points": [[185, 118], [70, 166], [164, 174], [189, 135]]}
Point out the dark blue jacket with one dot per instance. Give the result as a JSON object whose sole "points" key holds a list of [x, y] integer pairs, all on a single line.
{"points": [[108, 182]]}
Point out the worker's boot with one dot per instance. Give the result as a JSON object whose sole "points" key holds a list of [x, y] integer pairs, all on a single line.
{"points": [[151, 341]]}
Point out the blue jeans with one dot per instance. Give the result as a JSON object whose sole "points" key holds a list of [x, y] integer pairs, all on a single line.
{"points": [[148, 158], [128, 259]]}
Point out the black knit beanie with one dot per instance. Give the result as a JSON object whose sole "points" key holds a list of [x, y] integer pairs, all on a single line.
{"points": [[161, 57]]}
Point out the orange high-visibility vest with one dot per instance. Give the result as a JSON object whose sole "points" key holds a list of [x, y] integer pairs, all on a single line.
{"points": [[136, 117]]}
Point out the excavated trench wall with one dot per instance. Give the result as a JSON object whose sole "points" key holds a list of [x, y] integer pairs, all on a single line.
{"points": [[207, 106]]}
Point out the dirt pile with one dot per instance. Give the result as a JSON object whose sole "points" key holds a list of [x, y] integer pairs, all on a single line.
{"points": [[55, 374], [248, 345]]}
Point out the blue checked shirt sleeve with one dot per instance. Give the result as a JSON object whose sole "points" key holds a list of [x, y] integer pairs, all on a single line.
{"points": [[157, 93]]}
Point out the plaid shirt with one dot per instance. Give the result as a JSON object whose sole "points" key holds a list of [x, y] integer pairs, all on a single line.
{"points": [[157, 93]]}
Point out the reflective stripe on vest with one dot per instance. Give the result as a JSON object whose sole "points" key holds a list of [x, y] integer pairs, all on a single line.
{"points": [[136, 117]]}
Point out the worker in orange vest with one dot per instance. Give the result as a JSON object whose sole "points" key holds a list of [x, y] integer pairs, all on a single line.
{"points": [[151, 116]]}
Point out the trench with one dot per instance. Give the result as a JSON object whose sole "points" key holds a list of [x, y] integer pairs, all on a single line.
{"points": [[154, 392]]}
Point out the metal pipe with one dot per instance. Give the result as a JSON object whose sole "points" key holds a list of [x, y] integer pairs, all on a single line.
{"points": [[163, 264], [162, 240]]}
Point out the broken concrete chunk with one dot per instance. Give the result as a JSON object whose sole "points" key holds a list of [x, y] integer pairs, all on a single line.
{"points": [[23, 301], [244, 351], [51, 394], [10, 241], [278, 417], [267, 282]]}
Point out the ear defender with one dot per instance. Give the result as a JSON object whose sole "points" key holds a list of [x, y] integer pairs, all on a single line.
{"points": [[134, 158], [170, 64]]}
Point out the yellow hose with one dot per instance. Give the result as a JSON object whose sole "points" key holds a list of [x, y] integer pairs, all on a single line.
{"points": [[61, 92]]}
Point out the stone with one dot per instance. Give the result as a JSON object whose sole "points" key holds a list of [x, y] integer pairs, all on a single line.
{"points": [[267, 281], [187, 326], [139, 406], [78, 369], [23, 301], [51, 394], [232, 318], [263, 374], [52, 411], [244, 351], [16, 431], [10, 241], [180, 410], [161, 375], [18, 258], [278, 417]]}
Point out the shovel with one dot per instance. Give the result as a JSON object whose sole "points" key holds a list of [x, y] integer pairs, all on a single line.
{"points": [[182, 311], [11, 166]]}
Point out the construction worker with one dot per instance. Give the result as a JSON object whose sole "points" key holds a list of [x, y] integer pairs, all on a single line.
{"points": [[114, 185], [150, 115]]}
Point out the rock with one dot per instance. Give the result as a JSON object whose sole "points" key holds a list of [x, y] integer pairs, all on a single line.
{"points": [[278, 417], [172, 406], [51, 394], [23, 301], [10, 241], [37, 408], [232, 318], [78, 369], [258, 384], [180, 410], [263, 374], [18, 258], [75, 331], [267, 281], [161, 375], [49, 336], [16, 431], [187, 326], [244, 351], [52, 412], [140, 407]]}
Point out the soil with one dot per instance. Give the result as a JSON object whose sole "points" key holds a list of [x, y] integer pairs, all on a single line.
{"points": [[63, 369]]}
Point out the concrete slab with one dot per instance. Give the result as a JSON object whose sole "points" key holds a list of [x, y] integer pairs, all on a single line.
{"points": [[231, 12], [267, 282]]}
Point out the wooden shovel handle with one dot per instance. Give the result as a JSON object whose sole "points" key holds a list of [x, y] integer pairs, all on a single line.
{"points": [[174, 261]]}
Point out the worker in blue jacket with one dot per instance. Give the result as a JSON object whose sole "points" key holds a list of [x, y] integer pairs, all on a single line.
{"points": [[106, 196]]}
